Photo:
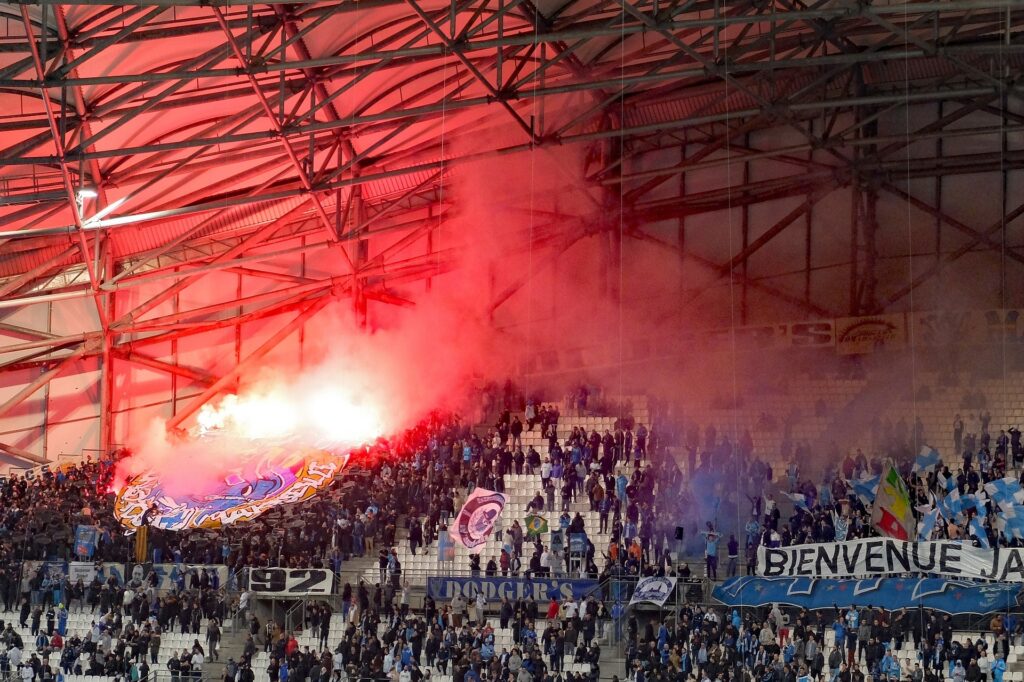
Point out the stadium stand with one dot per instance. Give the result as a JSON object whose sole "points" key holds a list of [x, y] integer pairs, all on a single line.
{"points": [[422, 479]]}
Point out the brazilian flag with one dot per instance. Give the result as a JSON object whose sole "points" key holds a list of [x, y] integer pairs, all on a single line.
{"points": [[536, 525]]}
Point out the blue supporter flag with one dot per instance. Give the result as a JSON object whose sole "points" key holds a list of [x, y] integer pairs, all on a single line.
{"points": [[85, 540], [978, 502], [952, 506], [927, 525], [1005, 490], [798, 500], [445, 548], [978, 531], [946, 484], [866, 488], [1010, 521], [927, 459]]}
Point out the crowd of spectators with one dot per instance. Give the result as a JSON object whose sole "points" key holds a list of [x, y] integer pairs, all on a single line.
{"points": [[112, 627], [413, 482], [383, 640], [829, 498], [838, 645]]}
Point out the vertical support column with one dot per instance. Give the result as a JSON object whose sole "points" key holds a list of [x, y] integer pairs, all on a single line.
{"points": [[107, 372], [46, 389], [176, 308], [854, 255], [857, 87], [681, 220], [238, 312], [360, 256], [428, 282], [302, 329], [938, 200], [1004, 104], [612, 201], [870, 232], [808, 241], [744, 236], [869, 227]]}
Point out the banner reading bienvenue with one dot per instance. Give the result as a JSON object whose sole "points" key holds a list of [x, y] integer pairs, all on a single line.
{"points": [[889, 556]]}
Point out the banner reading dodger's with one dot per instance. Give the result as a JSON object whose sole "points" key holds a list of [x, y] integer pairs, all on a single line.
{"points": [[874, 557], [475, 521]]}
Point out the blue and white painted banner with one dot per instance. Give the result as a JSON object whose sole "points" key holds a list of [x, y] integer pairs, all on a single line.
{"points": [[493, 589], [57, 571], [654, 590], [950, 596]]}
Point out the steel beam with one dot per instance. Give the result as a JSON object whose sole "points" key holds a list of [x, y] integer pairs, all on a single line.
{"points": [[279, 129], [935, 268], [308, 311], [795, 301], [19, 453], [141, 359], [41, 380], [979, 237], [69, 185]]}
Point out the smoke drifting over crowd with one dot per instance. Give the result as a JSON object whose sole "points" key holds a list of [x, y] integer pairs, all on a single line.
{"points": [[355, 383]]}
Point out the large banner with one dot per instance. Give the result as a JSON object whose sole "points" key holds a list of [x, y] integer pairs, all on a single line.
{"points": [[493, 589], [291, 582], [889, 556], [951, 596], [475, 521]]}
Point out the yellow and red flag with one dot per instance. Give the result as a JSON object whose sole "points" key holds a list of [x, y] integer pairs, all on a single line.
{"points": [[893, 515]]}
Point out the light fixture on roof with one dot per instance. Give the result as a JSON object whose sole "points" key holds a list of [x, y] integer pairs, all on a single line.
{"points": [[81, 195]]}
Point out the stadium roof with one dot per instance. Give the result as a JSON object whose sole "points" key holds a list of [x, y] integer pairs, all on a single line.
{"points": [[144, 141], [198, 124]]}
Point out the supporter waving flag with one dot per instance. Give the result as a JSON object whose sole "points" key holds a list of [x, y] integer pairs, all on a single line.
{"points": [[927, 459], [928, 520], [799, 500], [475, 521], [536, 525], [1005, 490], [892, 514], [946, 483], [978, 531], [866, 488]]}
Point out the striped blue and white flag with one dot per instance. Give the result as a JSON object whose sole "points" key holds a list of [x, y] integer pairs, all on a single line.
{"points": [[866, 489], [927, 459], [978, 531], [927, 525]]}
